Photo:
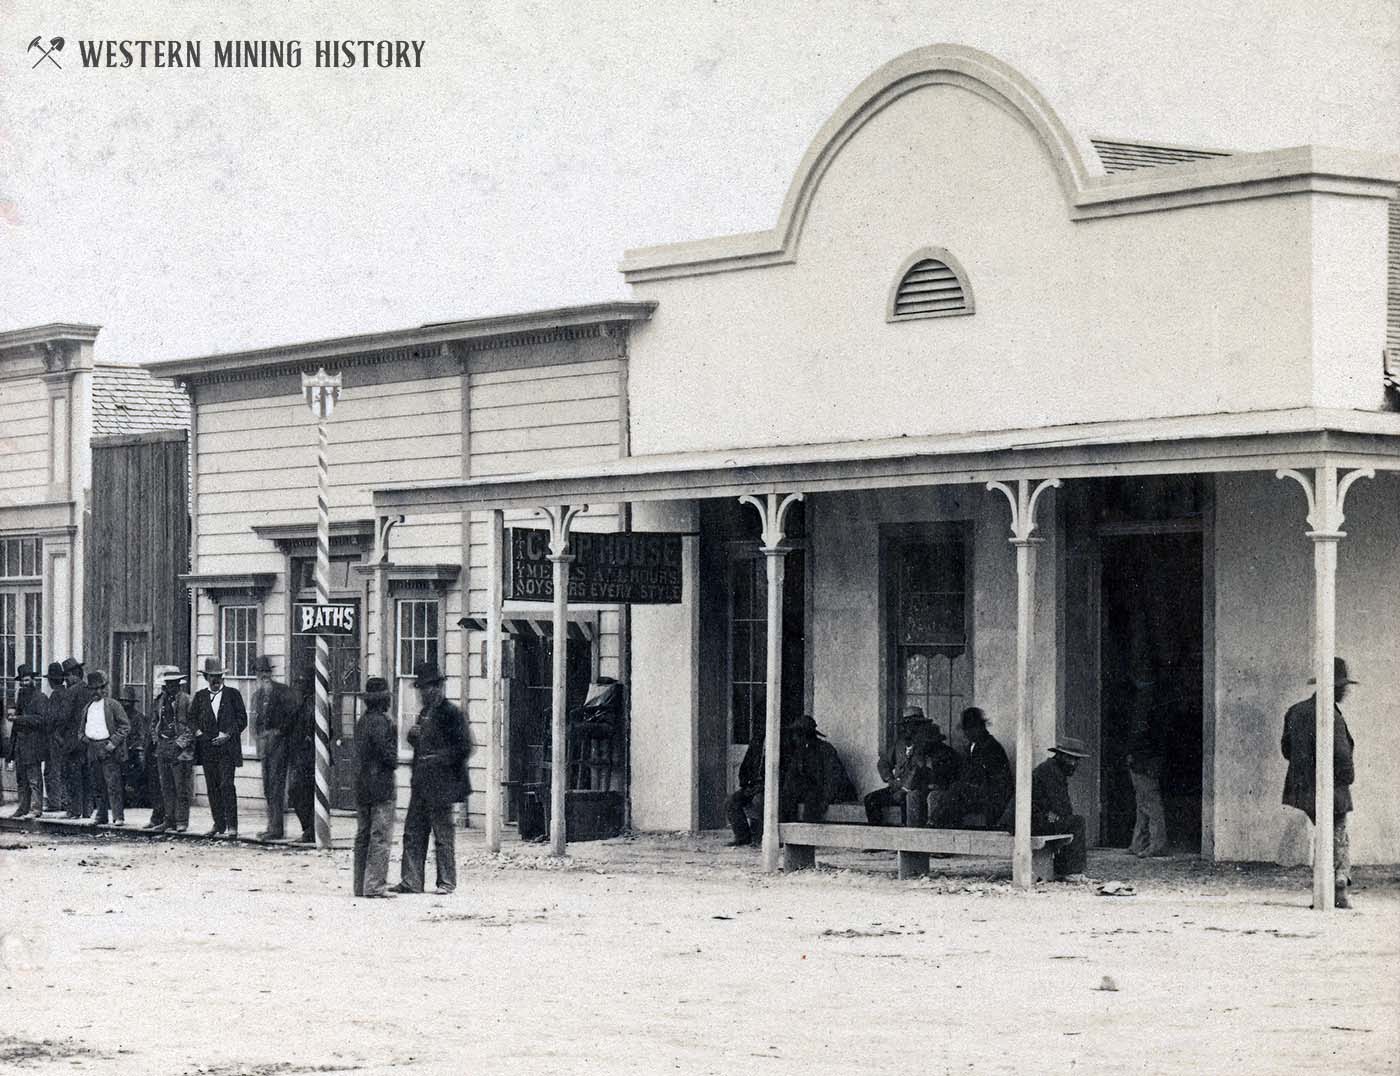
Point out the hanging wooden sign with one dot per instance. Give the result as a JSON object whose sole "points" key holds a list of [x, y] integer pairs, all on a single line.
{"points": [[330, 619], [609, 568]]}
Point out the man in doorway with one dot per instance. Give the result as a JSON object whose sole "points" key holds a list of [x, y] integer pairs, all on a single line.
{"points": [[274, 720], [29, 743], [440, 749], [979, 795], [1299, 746], [104, 732], [55, 714], [174, 752], [1051, 809], [1154, 706], [219, 717], [749, 795], [301, 757]]}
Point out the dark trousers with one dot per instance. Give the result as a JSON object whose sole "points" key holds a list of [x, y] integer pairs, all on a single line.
{"points": [[108, 782], [795, 801], [1069, 858], [420, 820], [301, 779], [150, 778], [374, 835], [29, 782], [223, 800], [77, 783], [273, 747], [176, 790], [963, 806], [736, 810], [55, 783]]}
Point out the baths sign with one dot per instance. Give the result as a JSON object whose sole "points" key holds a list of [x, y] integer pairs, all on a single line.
{"points": [[329, 619], [622, 568]]}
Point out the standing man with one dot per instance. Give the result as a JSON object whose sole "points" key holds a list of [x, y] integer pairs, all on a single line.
{"points": [[55, 713], [142, 781], [174, 752], [1051, 809], [274, 717], [29, 743], [981, 792], [219, 718], [376, 758], [78, 792], [1152, 716], [1299, 746], [104, 732], [440, 749], [301, 757]]}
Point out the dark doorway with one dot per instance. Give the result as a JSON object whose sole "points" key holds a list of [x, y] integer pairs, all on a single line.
{"points": [[529, 672], [1150, 664], [345, 704]]}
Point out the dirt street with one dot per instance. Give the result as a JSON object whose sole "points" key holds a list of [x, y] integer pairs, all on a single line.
{"points": [[674, 955]]}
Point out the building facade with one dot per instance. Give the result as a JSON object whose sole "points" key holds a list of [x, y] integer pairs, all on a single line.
{"points": [[1144, 350]]}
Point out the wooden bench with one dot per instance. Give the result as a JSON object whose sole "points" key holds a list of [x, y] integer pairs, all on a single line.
{"points": [[800, 841]]}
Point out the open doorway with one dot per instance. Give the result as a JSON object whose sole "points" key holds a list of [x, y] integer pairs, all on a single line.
{"points": [[1151, 638]]}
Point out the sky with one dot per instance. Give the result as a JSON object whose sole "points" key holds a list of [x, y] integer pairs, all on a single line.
{"points": [[197, 211]]}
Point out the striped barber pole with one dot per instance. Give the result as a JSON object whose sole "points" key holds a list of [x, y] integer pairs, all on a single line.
{"points": [[322, 391]]}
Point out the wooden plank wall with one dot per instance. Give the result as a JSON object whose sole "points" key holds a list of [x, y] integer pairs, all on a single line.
{"points": [[24, 437], [137, 545]]}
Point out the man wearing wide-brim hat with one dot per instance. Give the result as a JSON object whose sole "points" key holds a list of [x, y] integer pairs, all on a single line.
{"points": [[440, 748], [916, 759], [1051, 809], [274, 720], [55, 714], [67, 724], [104, 734], [29, 743], [1299, 746], [219, 717]]}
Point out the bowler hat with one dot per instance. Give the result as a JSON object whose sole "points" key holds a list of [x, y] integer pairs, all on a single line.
{"points": [[426, 673], [55, 671], [912, 713], [376, 685], [97, 678], [973, 714], [263, 664], [1339, 673], [1072, 746], [71, 665], [24, 672], [126, 694], [212, 667]]}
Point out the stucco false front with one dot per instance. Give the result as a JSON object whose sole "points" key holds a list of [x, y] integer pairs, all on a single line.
{"points": [[1250, 304]]}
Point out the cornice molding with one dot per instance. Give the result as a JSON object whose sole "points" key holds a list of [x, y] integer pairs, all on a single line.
{"points": [[253, 584], [358, 533], [58, 332]]}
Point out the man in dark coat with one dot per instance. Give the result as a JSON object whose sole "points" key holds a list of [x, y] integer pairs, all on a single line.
{"points": [[301, 757], [749, 795], [918, 760], [55, 713], [1299, 746], [440, 749], [141, 776], [219, 717], [376, 759], [1051, 809], [174, 752], [275, 708], [29, 743], [982, 790], [77, 774], [104, 732]]}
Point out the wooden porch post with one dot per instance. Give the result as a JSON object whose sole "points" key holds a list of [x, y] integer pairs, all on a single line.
{"points": [[771, 512], [560, 521], [1326, 497], [495, 593], [1023, 501]]}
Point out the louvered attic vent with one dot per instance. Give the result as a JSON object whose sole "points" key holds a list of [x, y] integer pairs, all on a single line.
{"points": [[931, 285]]}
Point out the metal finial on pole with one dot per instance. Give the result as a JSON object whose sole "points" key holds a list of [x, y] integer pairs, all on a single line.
{"points": [[322, 391]]}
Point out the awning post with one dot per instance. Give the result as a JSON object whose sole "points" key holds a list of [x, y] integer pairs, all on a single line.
{"points": [[495, 596], [1023, 501], [1326, 498], [560, 521], [772, 511]]}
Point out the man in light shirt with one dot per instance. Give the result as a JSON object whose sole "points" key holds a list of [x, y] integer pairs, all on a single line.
{"points": [[104, 732]]}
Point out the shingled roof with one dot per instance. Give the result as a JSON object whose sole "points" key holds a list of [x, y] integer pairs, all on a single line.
{"points": [[127, 399], [1119, 156]]}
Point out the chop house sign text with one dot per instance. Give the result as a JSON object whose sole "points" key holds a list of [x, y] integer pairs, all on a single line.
{"points": [[627, 568]]}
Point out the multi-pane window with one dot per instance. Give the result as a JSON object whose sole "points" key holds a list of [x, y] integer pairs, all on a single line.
{"points": [[930, 625], [19, 558], [416, 642], [21, 636], [238, 640], [748, 647], [133, 668]]}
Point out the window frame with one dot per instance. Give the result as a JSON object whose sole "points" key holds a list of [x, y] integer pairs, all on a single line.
{"points": [[243, 684], [402, 682]]}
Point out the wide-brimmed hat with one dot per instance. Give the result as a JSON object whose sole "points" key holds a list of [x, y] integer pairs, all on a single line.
{"points": [[1339, 673], [71, 665], [97, 678], [912, 713], [426, 674], [212, 667], [24, 672], [126, 694], [1072, 746], [805, 723], [55, 670], [170, 674], [263, 664]]}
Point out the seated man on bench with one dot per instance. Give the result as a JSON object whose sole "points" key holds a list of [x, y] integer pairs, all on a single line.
{"points": [[810, 778], [1051, 808], [918, 760], [980, 794]]}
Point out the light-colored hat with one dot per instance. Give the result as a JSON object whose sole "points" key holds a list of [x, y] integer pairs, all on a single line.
{"points": [[1072, 746]]}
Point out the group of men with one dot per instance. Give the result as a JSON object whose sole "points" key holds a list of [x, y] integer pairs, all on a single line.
{"points": [[75, 749]]}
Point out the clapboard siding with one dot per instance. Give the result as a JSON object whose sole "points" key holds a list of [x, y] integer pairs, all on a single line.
{"points": [[24, 440], [495, 463], [137, 545]]}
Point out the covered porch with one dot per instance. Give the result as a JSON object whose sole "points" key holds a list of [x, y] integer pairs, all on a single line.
{"points": [[1033, 494]]}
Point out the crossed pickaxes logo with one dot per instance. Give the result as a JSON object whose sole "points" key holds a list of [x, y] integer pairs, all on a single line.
{"points": [[55, 45]]}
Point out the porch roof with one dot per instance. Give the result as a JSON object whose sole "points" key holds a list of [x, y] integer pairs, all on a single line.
{"points": [[1253, 441]]}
